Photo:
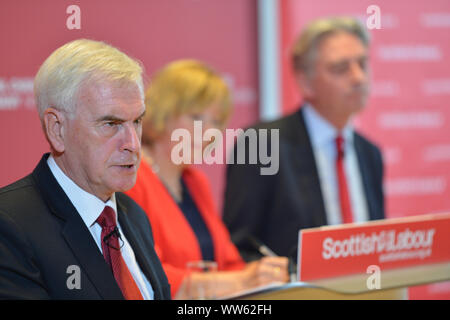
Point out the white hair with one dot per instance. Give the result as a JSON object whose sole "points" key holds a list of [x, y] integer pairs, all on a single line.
{"points": [[68, 67], [305, 47]]}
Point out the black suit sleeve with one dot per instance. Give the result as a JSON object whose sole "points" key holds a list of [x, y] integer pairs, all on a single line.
{"points": [[246, 201], [20, 277]]}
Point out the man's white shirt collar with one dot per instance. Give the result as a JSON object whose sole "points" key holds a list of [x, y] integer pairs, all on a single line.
{"points": [[88, 206], [322, 131]]}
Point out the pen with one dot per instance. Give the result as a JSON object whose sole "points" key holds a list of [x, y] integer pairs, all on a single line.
{"points": [[262, 248], [267, 252]]}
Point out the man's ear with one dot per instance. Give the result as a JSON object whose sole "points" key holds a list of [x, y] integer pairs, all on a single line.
{"points": [[54, 126], [304, 82]]}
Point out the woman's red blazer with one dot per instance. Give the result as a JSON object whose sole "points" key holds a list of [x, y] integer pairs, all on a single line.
{"points": [[175, 241]]}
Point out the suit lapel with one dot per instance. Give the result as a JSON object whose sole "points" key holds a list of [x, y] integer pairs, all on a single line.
{"points": [[137, 243], [363, 164], [76, 234], [306, 170]]}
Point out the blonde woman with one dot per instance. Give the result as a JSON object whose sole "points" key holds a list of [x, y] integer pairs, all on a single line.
{"points": [[177, 198]]}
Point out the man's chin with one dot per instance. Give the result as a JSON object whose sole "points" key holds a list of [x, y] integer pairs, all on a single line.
{"points": [[126, 185], [357, 105]]}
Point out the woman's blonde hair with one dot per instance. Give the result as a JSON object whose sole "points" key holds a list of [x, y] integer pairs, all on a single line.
{"points": [[183, 87]]}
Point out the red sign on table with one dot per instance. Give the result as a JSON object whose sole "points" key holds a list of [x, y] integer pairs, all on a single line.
{"points": [[333, 251]]}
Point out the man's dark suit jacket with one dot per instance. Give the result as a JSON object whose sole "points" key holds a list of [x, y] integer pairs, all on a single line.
{"points": [[273, 208], [42, 234]]}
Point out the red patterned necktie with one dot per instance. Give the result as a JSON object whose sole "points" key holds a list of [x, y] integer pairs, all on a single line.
{"points": [[344, 198], [111, 252]]}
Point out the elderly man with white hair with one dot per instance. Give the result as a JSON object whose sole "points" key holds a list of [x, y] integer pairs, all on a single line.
{"points": [[66, 230]]}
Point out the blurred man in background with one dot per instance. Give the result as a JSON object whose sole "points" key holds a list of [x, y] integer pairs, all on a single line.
{"points": [[328, 172]]}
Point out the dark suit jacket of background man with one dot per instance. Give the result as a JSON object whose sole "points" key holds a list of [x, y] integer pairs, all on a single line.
{"points": [[42, 234], [272, 209]]}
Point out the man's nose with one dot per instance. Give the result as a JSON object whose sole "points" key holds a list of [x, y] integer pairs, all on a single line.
{"points": [[358, 74], [132, 138]]}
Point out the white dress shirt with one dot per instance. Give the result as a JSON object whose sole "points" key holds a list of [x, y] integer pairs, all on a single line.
{"points": [[90, 207], [323, 136]]}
